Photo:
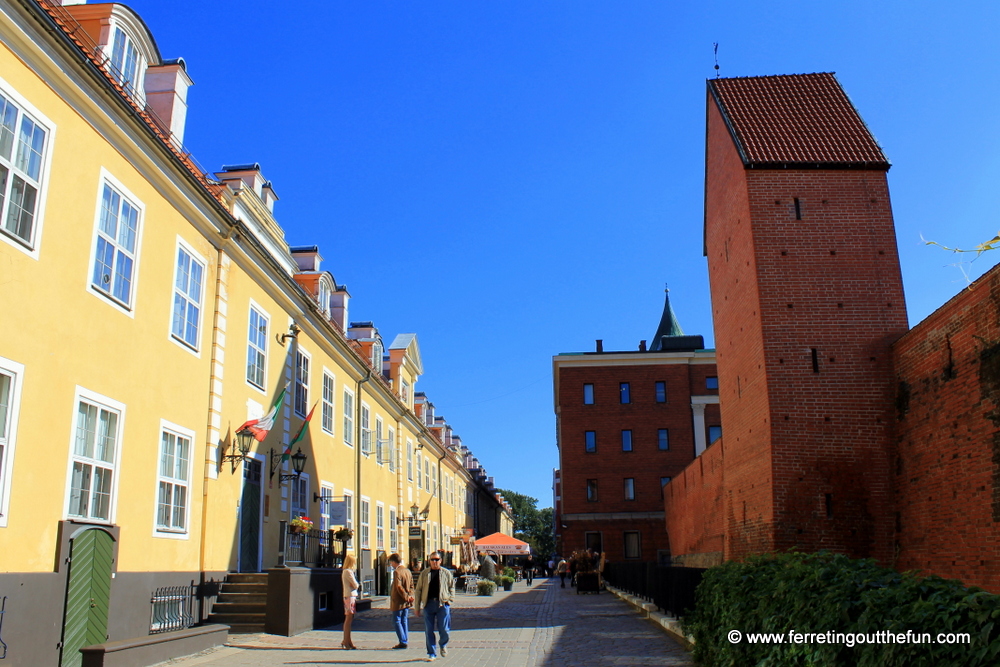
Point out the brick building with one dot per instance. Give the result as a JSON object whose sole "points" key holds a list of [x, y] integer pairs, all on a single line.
{"points": [[628, 421], [843, 431]]}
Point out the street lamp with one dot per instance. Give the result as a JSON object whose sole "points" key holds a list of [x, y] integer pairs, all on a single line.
{"points": [[298, 465], [244, 440]]}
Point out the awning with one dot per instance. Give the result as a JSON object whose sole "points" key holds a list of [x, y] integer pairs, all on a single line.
{"points": [[503, 545]]}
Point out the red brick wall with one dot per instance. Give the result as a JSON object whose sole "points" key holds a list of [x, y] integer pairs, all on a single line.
{"points": [[807, 456], [947, 437], [695, 511], [609, 465]]}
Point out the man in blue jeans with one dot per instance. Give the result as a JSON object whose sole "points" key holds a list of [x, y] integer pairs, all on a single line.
{"points": [[435, 591], [400, 600]]}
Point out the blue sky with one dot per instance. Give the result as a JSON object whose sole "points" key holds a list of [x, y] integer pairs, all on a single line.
{"points": [[511, 180]]}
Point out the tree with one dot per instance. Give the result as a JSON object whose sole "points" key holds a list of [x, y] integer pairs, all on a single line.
{"points": [[532, 525]]}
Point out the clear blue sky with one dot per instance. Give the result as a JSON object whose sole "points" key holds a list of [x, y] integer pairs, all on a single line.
{"points": [[511, 180]]}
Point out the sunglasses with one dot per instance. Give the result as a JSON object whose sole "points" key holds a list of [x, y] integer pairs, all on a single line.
{"points": [[435, 560]]}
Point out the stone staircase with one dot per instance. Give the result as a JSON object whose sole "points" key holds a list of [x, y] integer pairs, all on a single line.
{"points": [[242, 602]]}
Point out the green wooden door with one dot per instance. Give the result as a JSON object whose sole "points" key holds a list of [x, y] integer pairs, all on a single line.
{"points": [[250, 517], [88, 594]]}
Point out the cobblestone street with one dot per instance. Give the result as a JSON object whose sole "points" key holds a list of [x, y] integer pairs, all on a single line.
{"points": [[543, 625]]}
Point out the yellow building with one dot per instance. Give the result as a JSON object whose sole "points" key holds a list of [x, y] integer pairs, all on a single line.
{"points": [[159, 309]]}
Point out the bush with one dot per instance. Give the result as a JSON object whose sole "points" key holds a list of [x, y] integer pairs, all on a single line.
{"points": [[823, 592], [486, 587], [506, 581], [509, 572]]}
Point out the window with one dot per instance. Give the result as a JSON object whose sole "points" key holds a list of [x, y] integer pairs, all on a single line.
{"points": [[125, 62], [629, 488], [409, 460], [299, 490], [406, 393], [661, 392], [348, 418], [427, 474], [328, 384], [626, 441], [22, 147], [379, 526], [187, 298], [174, 480], [365, 522], [379, 441], [419, 469], [325, 498], [594, 541], [393, 531], [623, 390], [590, 440], [95, 450], [377, 356], [116, 249], [349, 511], [301, 383], [592, 490], [256, 348], [663, 439], [711, 383], [632, 549], [10, 390], [588, 394], [663, 482], [714, 433], [366, 431]]}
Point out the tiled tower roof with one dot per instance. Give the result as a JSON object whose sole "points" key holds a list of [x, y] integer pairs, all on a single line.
{"points": [[669, 326], [796, 120]]}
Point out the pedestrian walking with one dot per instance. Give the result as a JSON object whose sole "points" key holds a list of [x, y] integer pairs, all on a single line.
{"points": [[350, 585], [529, 569], [400, 600], [435, 591], [563, 569], [550, 568]]}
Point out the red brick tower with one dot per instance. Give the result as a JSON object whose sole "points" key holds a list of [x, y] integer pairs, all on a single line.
{"points": [[807, 297]]}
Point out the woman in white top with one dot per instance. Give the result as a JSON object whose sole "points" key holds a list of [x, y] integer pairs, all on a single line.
{"points": [[350, 585]]}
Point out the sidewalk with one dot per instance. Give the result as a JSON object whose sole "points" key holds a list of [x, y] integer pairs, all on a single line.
{"points": [[540, 626]]}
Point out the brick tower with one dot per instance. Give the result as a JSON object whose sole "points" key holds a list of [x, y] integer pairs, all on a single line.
{"points": [[807, 298]]}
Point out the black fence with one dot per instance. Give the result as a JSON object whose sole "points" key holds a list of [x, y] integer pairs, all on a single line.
{"points": [[669, 588], [311, 548]]}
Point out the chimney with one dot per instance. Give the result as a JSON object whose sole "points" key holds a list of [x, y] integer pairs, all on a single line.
{"points": [[338, 307], [166, 89], [600, 345]]}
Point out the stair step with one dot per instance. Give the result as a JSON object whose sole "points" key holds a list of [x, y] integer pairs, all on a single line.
{"points": [[242, 598], [229, 619], [246, 578], [238, 608], [228, 587], [245, 628]]}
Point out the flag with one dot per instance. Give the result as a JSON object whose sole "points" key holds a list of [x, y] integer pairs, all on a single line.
{"points": [[261, 427], [300, 434]]}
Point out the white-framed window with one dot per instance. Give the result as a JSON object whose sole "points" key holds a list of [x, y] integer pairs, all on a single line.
{"points": [[409, 460], [325, 498], [11, 374], [379, 526], [126, 64], [189, 278], [328, 386], [377, 356], [95, 450], [349, 510], [393, 530], [324, 297], [173, 495], [420, 468], [348, 418], [427, 474], [391, 438], [365, 523], [366, 431], [299, 490], [301, 383], [257, 347], [379, 443], [25, 155], [406, 393], [116, 243]]}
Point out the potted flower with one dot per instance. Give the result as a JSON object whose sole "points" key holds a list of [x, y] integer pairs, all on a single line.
{"points": [[300, 524], [343, 534], [485, 587], [507, 582]]}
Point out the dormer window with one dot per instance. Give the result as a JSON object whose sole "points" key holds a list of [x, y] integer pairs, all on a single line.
{"points": [[125, 61], [377, 356], [325, 295]]}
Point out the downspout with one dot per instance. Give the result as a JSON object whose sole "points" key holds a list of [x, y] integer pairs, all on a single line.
{"points": [[357, 468], [440, 508]]}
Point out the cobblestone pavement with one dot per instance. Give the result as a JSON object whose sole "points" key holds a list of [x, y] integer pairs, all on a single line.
{"points": [[540, 626]]}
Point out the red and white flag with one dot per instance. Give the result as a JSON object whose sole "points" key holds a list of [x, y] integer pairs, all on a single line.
{"points": [[261, 427]]}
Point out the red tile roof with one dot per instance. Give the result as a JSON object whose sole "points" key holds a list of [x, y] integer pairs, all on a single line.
{"points": [[796, 119]]}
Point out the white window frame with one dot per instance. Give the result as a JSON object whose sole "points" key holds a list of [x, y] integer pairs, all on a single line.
{"points": [[253, 348], [393, 463], [349, 499], [183, 532], [366, 432], [365, 510], [393, 530], [82, 395], [409, 460], [379, 430], [186, 298], [348, 417], [328, 399], [32, 245], [300, 395], [298, 495], [109, 181], [8, 434], [380, 525], [326, 497], [134, 85]]}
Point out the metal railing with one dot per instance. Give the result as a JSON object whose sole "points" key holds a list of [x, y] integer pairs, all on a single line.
{"points": [[669, 588], [311, 548], [172, 609]]}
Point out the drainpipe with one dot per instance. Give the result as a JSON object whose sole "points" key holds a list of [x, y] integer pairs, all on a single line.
{"points": [[357, 468], [440, 508]]}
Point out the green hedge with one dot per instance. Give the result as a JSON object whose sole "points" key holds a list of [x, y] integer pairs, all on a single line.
{"points": [[824, 592]]}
